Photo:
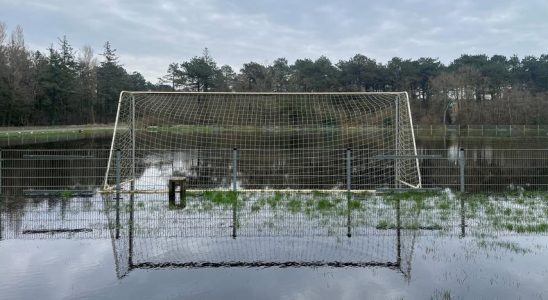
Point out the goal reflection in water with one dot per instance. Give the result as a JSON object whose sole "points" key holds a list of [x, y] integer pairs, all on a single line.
{"points": [[272, 230], [255, 229]]}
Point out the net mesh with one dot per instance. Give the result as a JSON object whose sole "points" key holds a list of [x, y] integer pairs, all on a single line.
{"points": [[263, 229], [291, 140]]}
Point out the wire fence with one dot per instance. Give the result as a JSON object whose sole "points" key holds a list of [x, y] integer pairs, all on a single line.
{"points": [[482, 130], [58, 193], [70, 172]]}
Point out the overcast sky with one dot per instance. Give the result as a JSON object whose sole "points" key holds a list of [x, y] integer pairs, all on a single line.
{"points": [[151, 34]]}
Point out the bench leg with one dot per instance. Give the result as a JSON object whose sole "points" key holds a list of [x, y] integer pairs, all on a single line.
{"points": [[182, 195], [171, 194]]}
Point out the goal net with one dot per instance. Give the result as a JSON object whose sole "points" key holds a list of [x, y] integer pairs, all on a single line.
{"points": [[249, 141]]}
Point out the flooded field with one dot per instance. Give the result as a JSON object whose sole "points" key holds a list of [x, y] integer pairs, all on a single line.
{"points": [[412, 245], [62, 239]]}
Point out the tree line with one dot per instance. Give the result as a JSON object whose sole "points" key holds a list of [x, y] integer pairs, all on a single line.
{"points": [[65, 86]]}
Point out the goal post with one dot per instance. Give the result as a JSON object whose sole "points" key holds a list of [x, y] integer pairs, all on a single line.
{"points": [[294, 141]]}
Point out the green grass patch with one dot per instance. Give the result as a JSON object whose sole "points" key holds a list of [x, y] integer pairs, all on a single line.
{"points": [[325, 204], [444, 205], [275, 199], [531, 228], [294, 205], [354, 204], [383, 224], [221, 197], [66, 194], [510, 246]]}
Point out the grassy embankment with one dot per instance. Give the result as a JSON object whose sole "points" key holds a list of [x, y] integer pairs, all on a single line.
{"points": [[24, 135]]}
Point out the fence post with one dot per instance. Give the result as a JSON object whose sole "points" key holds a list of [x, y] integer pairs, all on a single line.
{"points": [[348, 188], [462, 217], [234, 188], [398, 231], [397, 144], [0, 172], [462, 161], [118, 158]]}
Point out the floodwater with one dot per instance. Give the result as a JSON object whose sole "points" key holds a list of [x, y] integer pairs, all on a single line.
{"points": [[65, 247]]}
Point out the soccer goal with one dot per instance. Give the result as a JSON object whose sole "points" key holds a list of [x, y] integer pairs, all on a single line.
{"points": [[263, 141]]}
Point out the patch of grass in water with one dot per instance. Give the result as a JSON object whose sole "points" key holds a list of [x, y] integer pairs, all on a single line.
{"points": [[531, 228], [441, 295], [354, 204], [256, 206], [417, 194], [363, 194], [535, 194], [325, 204], [490, 210], [294, 205], [383, 224], [444, 205], [66, 194], [510, 246], [221, 197], [206, 206], [275, 199]]}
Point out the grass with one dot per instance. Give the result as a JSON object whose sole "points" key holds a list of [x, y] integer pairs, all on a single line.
{"points": [[221, 197], [354, 204], [418, 212], [531, 228], [294, 205], [23, 134], [325, 204], [510, 246], [275, 199], [66, 194], [441, 295]]}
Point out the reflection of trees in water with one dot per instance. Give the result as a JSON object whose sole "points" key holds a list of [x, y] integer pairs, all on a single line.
{"points": [[486, 169], [27, 170]]}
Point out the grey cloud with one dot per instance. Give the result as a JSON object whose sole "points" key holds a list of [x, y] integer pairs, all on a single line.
{"points": [[149, 34]]}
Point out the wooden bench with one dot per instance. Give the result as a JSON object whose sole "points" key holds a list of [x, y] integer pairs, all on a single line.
{"points": [[175, 182]]}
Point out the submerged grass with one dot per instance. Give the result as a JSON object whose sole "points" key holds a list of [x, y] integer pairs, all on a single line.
{"points": [[429, 210], [510, 246], [221, 197]]}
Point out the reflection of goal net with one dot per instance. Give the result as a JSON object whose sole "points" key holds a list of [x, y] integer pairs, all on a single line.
{"points": [[274, 229], [278, 140]]}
